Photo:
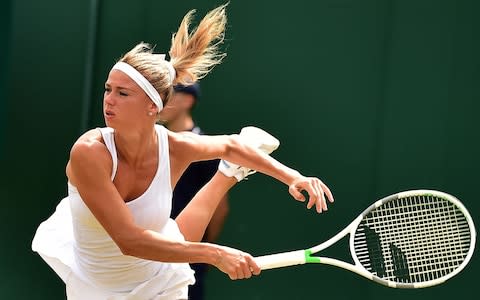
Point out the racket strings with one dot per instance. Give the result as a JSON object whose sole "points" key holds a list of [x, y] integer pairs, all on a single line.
{"points": [[427, 235], [416, 263], [421, 238], [443, 236], [416, 235]]}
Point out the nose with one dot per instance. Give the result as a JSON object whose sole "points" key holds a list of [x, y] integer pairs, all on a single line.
{"points": [[108, 99]]}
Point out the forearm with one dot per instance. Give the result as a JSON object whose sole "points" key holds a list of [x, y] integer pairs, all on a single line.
{"points": [[252, 158], [196, 216], [152, 245], [218, 219]]}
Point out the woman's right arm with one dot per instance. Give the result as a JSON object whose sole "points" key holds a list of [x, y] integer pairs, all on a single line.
{"points": [[89, 170]]}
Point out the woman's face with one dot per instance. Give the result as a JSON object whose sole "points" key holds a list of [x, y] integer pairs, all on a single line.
{"points": [[124, 102]]}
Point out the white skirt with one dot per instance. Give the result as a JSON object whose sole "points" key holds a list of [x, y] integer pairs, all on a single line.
{"points": [[54, 242]]}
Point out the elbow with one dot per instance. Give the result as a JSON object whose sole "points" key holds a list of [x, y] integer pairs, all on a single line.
{"points": [[232, 146], [126, 249], [128, 244]]}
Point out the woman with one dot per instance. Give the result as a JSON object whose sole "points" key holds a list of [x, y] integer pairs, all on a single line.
{"points": [[112, 238]]}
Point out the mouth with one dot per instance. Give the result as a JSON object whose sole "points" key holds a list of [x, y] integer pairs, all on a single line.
{"points": [[109, 114]]}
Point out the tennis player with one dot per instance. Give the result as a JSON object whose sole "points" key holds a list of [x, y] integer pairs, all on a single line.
{"points": [[111, 237]]}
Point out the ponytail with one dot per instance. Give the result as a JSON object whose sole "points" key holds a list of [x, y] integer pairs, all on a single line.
{"points": [[194, 54]]}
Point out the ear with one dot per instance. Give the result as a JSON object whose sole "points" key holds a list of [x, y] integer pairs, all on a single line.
{"points": [[152, 107]]}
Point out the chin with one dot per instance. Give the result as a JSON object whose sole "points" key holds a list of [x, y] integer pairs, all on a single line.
{"points": [[109, 123]]}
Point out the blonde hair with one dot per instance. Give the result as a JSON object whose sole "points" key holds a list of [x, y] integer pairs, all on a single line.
{"points": [[192, 54]]}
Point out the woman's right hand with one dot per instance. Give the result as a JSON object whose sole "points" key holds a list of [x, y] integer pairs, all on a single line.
{"points": [[236, 264]]}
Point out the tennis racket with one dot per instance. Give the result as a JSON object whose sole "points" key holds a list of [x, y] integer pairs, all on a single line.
{"points": [[412, 239]]}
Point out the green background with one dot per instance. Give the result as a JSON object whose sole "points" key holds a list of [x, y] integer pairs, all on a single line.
{"points": [[372, 96]]}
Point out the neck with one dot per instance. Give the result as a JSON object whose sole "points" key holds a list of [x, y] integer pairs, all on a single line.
{"points": [[181, 123], [134, 147]]}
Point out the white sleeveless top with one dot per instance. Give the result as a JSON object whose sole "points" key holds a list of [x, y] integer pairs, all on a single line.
{"points": [[88, 251]]}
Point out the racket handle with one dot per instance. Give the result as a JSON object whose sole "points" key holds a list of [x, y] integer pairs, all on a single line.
{"points": [[279, 260]]}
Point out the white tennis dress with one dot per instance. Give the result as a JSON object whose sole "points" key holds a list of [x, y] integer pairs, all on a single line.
{"points": [[92, 266]]}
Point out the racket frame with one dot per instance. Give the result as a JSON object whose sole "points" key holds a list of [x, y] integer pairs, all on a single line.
{"points": [[299, 257]]}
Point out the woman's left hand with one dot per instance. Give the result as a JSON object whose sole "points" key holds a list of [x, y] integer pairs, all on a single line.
{"points": [[316, 189]]}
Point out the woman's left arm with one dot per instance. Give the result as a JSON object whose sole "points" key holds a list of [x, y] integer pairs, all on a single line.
{"points": [[192, 147]]}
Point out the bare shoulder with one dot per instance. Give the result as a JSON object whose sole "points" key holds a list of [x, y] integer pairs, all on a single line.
{"points": [[188, 137], [90, 143], [197, 147], [88, 153], [188, 142], [181, 139]]}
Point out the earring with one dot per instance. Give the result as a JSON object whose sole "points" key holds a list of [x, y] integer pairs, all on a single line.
{"points": [[150, 113]]}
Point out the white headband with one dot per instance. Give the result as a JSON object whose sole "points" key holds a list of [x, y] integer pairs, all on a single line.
{"points": [[171, 71], [143, 82]]}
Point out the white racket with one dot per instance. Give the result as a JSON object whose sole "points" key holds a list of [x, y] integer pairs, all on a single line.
{"points": [[412, 239]]}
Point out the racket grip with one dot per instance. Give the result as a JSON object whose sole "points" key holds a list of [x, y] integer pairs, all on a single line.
{"points": [[280, 260]]}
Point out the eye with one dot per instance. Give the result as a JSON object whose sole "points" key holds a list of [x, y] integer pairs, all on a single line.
{"points": [[107, 90], [123, 94]]}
